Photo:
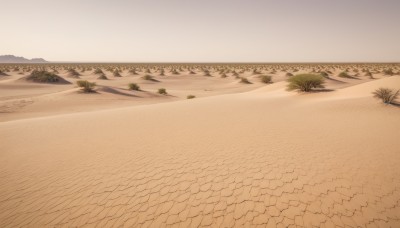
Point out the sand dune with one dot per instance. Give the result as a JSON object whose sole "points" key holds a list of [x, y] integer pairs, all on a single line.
{"points": [[266, 157]]}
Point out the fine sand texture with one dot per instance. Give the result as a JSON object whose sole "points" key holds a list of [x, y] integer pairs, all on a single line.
{"points": [[256, 156]]}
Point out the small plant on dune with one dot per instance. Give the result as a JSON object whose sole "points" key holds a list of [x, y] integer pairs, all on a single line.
{"points": [[162, 91], [87, 87], [192, 72], [289, 74], [369, 74], [305, 82], [2, 73], [174, 71], [133, 71], [223, 75], [244, 80], [388, 72], [344, 74], [191, 96], [255, 71], [388, 96], [102, 77], [266, 79], [207, 73], [116, 73], [44, 77], [162, 72], [98, 71], [73, 72], [133, 86], [324, 74], [148, 77]]}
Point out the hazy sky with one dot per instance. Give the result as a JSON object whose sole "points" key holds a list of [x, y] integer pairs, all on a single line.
{"points": [[202, 30]]}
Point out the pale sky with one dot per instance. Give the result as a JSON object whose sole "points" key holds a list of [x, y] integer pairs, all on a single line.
{"points": [[202, 30]]}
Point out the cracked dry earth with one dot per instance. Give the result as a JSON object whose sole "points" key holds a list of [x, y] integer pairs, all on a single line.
{"points": [[243, 160]]}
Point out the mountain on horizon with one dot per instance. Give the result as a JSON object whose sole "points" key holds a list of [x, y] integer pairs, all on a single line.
{"points": [[17, 59]]}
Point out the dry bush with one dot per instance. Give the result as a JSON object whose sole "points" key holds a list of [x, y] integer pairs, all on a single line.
{"points": [[102, 77], [116, 73], [133, 86], [44, 77], [87, 87], [162, 91], [266, 79], [98, 71], [305, 82], [190, 96], [388, 96]]}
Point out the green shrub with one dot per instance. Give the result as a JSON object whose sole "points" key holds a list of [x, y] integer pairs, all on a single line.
{"points": [[266, 79], [191, 96], [324, 74], [244, 80], [148, 77], [86, 86], [73, 72], [344, 75], [388, 96], [369, 74], [133, 86], [305, 82], [207, 73], [162, 91], [102, 77], [116, 73], [388, 72], [44, 77], [133, 71], [98, 71]]}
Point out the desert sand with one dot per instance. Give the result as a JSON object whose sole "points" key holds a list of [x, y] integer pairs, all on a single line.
{"points": [[238, 155]]}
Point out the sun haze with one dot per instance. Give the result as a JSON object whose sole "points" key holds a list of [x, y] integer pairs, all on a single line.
{"points": [[202, 31]]}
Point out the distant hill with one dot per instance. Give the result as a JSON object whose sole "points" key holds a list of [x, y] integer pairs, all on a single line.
{"points": [[17, 59]]}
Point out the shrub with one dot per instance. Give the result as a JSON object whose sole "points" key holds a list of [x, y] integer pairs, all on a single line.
{"points": [[191, 96], [266, 79], [102, 77], [98, 71], [44, 76], [324, 74], [162, 91], [2, 73], [73, 72], [148, 77], [244, 80], [116, 73], [388, 96], [133, 71], [388, 72], [344, 75], [369, 74], [289, 74], [305, 82], [133, 86], [207, 73], [86, 86]]}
